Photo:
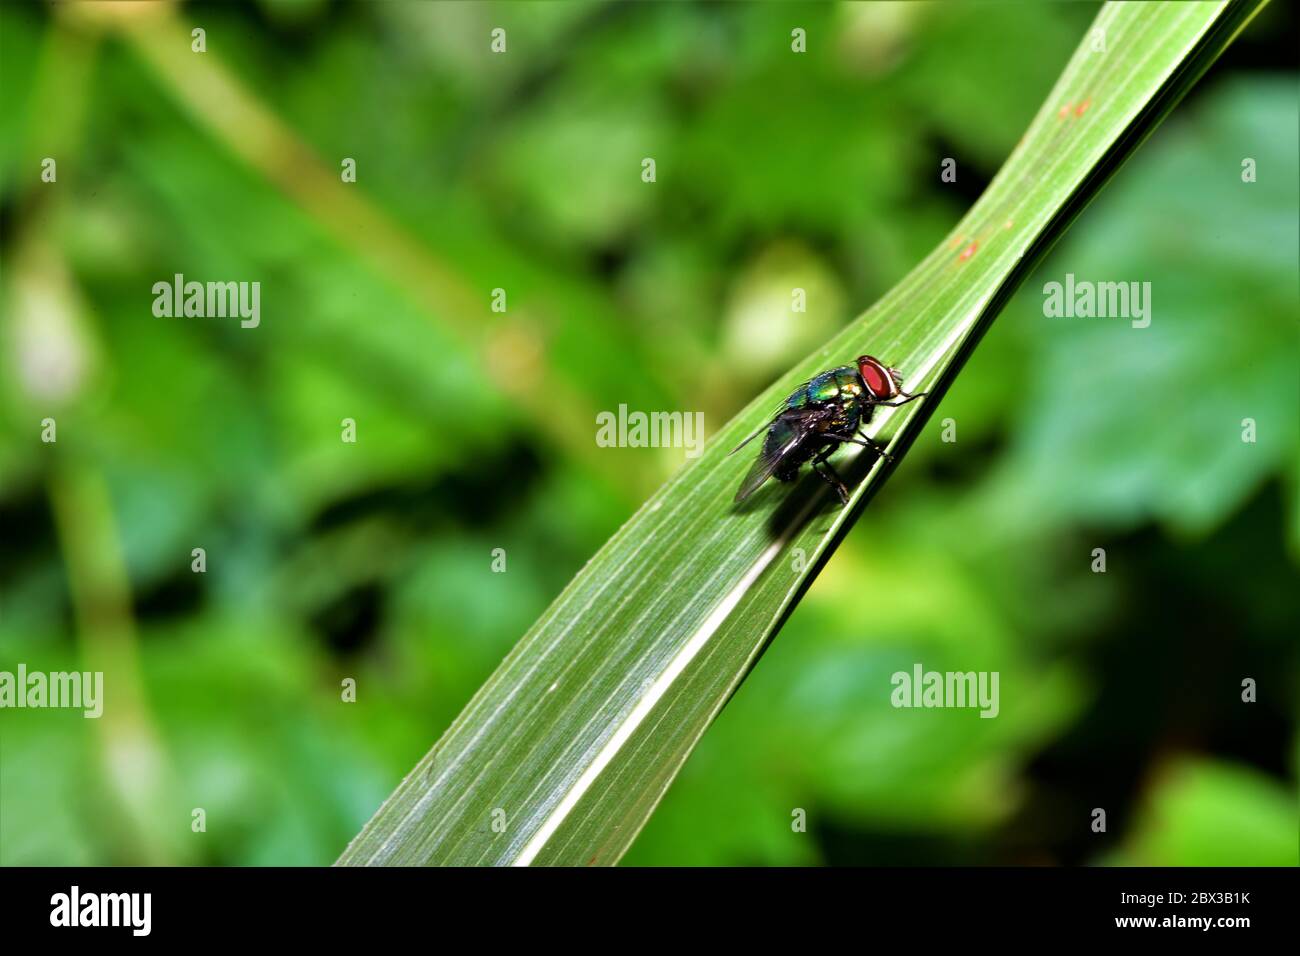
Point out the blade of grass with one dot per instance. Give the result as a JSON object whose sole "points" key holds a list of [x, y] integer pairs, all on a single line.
{"points": [[565, 751]]}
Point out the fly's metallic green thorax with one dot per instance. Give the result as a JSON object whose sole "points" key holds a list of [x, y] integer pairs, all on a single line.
{"points": [[820, 415], [840, 387]]}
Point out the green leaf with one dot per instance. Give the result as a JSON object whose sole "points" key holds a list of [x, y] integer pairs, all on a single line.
{"points": [[566, 750], [1203, 812], [1120, 459]]}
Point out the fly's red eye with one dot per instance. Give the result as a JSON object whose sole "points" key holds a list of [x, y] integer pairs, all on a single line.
{"points": [[876, 377]]}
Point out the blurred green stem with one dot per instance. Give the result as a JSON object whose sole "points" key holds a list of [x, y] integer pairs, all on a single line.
{"points": [[134, 761], [250, 131]]}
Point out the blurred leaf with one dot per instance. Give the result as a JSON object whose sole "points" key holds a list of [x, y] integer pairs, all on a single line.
{"points": [[1160, 435], [762, 331], [1206, 813]]}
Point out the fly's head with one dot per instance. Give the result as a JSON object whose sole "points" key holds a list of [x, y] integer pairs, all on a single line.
{"points": [[883, 383]]}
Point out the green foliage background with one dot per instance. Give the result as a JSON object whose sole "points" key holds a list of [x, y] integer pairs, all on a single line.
{"points": [[476, 430]]}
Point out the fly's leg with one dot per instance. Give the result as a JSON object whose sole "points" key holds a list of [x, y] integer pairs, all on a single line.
{"points": [[877, 447], [828, 473], [865, 442], [823, 468], [909, 398]]}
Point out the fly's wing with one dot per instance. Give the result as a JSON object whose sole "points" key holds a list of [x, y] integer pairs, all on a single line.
{"points": [[783, 410], [784, 434], [762, 428]]}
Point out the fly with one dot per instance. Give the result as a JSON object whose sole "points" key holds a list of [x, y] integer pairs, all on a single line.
{"points": [[818, 417]]}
